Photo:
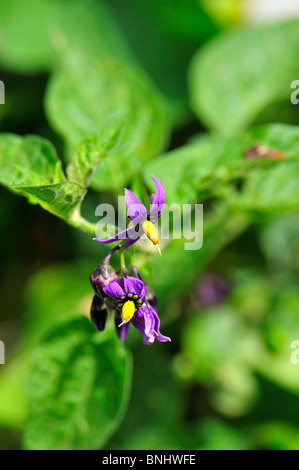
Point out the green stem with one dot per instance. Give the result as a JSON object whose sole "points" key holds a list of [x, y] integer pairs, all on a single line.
{"points": [[77, 221], [122, 260], [132, 256]]}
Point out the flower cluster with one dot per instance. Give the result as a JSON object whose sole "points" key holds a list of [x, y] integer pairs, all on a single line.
{"points": [[131, 300]]}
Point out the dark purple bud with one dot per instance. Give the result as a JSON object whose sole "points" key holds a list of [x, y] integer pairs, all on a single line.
{"points": [[98, 313], [104, 274]]}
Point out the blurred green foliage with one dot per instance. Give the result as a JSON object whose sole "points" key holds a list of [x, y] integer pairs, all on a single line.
{"points": [[100, 95]]}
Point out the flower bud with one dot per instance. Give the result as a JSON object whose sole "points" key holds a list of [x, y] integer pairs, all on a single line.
{"points": [[98, 313], [103, 275]]}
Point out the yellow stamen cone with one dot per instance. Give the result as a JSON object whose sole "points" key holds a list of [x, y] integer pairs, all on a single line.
{"points": [[150, 231], [128, 311]]}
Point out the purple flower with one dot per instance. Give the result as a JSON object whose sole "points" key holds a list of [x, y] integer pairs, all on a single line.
{"points": [[129, 295], [143, 220]]}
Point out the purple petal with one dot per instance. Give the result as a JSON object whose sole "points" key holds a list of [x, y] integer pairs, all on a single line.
{"points": [[134, 235], [135, 208], [158, 199], [138, 323], [159, 336], [146, 321], [122, 331], [134, 286], [140, 289], [149, 323], [127, 285], [114, 291], [130, 242], [119, 236], [146, 293]]}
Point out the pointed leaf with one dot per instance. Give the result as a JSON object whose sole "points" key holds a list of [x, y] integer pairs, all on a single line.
{"points": [[79, 388]]}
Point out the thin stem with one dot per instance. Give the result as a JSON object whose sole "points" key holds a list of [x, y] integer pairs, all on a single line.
{"points": [[76, 220], [132, 255], [122, 260]]}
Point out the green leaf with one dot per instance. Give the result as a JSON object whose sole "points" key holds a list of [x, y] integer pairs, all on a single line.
{"points": [[208, 167], [59, 199], [180, 266], [49, 296], [173, 29], [86, 91], [94, 149], [273, 187], [34, 32], [30, 167], [218, 435], [79, 388], [25, 44], [27, 161], [184, 170], [275, 191], [13, 379], [235, 77], [277, 435]]}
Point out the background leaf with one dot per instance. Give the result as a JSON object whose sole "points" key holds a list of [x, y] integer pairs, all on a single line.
{"points": [[208, 165], [35, 32], [94, 149], [28, 160], [78, 389], [86, 91], [164, 36], [239, 74], [30, 166]]}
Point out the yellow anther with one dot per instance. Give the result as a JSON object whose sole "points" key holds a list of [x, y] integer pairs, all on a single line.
{"points": [[128, 311], [151, 231]]}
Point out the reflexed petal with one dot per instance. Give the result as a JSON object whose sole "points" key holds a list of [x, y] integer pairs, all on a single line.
{"points": [[159, 336], [146, 321], [149, 323], [119, 236], [122, 331], [158, 199], [138, 323], [114, 291], [135, 208]]}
